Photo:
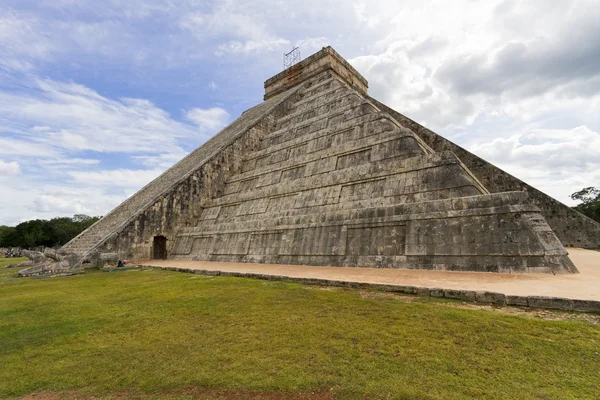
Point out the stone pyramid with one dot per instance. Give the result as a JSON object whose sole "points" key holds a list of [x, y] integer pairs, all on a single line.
{"points": [[322, 174]]}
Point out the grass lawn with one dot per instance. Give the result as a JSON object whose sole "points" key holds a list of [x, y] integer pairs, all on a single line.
{"points": [[6, 261], [156, 334]]}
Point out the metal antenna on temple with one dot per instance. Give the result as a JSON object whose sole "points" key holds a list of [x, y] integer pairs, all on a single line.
{"points": [[291, 58]]}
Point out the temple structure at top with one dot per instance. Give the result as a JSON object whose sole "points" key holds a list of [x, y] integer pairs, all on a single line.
{"points": [[320, 173]]}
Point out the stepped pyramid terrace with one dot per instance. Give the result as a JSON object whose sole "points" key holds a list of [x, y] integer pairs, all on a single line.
{"points": [[322, 174]]}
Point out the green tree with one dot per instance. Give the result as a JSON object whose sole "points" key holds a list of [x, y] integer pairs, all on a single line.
{"points": [[84, 221], [590, 202], [55, 232], [33, 233], [62, 230], [8, 235]]}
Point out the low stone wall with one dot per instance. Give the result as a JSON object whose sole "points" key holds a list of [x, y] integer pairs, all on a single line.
{"points": [[484, 297]]}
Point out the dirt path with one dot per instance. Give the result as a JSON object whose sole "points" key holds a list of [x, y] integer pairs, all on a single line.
{"points": [[584, 286]]}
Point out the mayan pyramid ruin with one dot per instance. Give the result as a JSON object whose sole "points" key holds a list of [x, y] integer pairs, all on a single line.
{"points": [[320, 173]]}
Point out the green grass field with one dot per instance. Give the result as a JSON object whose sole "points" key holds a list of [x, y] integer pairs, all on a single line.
{"points": [[157, 334]]}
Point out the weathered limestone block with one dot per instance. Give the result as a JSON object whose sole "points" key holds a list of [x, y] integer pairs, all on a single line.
{"points": [[97, 259], [22, 264], [36, 257], [519, 301], [550, 302], [586, 306], [490, 297], [50, 262], [108, 258]]}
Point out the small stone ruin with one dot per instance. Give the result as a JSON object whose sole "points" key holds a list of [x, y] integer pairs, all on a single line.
{"points": [[56, 262]]}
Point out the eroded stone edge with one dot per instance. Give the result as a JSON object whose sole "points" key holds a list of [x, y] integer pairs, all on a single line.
{"points": [[476, 296]]}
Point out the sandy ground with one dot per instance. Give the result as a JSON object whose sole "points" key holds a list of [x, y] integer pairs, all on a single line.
{"points": [[584, 286]]}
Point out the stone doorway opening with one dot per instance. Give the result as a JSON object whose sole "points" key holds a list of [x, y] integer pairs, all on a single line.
{"points": [[159, 248]]}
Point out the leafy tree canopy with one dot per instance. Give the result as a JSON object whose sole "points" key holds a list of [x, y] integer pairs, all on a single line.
{"points": [[590, 202], [39, 232]]}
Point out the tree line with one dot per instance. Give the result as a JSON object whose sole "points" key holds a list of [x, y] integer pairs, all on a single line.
{"points": [[589, 205], [41, 232]]}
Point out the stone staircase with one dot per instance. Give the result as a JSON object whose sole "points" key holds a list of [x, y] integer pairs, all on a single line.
{"points": [[119, 217]]}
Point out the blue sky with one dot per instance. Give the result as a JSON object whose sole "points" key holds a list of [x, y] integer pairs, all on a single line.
{"points": [[99, 97]]}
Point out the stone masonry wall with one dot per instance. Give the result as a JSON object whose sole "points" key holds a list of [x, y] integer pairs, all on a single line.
{"points": [[323, 60], [339, 182], [165, 203], [571, 227], [174, 209]]}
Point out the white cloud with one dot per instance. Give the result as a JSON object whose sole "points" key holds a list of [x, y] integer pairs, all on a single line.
{"points": [[11, 168], [32, 200], [401, 77], [527, 68], [70, 161], [557, 161], [28, 40], [552, 149], [49, 129], [85, 192], [74, 117], [162, 161], [454, 63], [225, 20], [55, 204], [312, 44], [116, 178], [250, 46], [18, 147], [212, 119], [22, 42], [239, 29]]}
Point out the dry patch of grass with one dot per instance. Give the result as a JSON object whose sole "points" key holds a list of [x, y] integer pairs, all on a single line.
{"points": [[156, 334]]}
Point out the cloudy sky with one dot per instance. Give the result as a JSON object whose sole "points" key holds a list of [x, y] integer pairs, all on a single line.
{"points": [[99, 97]]}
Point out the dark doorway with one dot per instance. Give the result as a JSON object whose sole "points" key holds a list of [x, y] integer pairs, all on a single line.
{"points": [[159, 248]]}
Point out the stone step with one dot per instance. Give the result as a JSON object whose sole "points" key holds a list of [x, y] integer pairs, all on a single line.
{"points": [[335, 90], [367, 124], [316, 84], [347, 99], [512, 201], [353, 129], [336, 175], [361, 198], [322, 121], [322, 154]]}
